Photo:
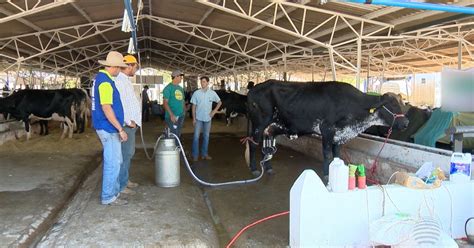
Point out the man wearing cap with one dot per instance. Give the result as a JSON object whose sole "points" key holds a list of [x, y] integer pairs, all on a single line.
{"points": [[132, 119], [108, 120], [173, 95]]}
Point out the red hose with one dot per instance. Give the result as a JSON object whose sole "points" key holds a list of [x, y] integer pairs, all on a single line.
{"points": [[232, 241]]}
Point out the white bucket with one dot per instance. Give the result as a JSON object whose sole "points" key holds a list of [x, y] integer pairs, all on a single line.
{"points": [[338, 176], [460, 167]]}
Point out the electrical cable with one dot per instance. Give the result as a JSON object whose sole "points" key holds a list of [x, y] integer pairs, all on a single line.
{"points": [[232, 241]]}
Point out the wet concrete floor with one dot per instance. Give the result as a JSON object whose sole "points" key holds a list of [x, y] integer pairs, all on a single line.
{"points": [[188, 215]]}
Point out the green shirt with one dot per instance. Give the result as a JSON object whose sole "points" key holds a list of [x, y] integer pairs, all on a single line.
{"points": [[175, 96]]}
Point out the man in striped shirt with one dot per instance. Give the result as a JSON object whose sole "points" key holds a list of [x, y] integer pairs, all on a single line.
{"points": [[132, 119]]}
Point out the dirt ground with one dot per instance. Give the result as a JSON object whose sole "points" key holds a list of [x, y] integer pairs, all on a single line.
{"points": [[187, 216]]}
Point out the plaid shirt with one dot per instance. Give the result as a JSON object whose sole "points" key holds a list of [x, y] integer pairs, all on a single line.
{"points": [[131, 104]]}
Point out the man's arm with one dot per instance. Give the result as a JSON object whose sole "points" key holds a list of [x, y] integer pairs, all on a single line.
{"points": [[106, 101], [214, 111], [168, 109], [110, 115], [194, 113]]}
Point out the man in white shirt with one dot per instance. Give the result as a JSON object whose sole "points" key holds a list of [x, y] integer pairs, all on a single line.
{"points": [[132, 119]]}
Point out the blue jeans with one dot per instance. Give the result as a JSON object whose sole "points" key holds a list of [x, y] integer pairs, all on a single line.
{"points": [[206, 129], [128, 150], [111, 168], [178, 124]]}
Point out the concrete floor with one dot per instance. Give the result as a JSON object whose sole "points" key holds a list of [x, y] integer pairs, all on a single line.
{"points": [[188, 215], [37, 178]]}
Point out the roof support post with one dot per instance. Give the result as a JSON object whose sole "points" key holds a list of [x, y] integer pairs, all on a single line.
{"points": [[359, 61], [333, 64]]}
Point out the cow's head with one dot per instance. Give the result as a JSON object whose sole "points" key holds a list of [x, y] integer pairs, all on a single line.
{"points": [[390, 110]]}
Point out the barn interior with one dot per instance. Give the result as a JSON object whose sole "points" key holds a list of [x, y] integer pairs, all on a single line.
{"points": [[49, 187]]}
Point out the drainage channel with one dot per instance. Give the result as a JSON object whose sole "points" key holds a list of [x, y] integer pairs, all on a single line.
{"points": [[222, 234], [75, 202]]}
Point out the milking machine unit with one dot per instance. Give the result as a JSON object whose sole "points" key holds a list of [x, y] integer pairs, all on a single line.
{"points": [[167, 161], [269, 148]]}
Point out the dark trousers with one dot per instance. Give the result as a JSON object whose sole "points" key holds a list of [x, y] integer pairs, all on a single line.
{"points": [[145, 112]]}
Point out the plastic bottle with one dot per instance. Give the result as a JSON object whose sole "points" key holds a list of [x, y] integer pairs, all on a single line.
{"points": [[338, 176], [352, 177], [361, 179], [460, 167]]}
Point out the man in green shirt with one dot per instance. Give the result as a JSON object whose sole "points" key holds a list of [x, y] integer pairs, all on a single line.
{"points": [[173, 95]]}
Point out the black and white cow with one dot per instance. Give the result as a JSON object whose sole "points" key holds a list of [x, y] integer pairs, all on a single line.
{"points": [[59, 105], [336, 111], [233, 104]]}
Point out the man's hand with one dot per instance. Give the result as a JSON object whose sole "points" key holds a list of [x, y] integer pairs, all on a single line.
{"points": [[194, 122], [133, 124], [173, 118], [212, 114], [123, 135]]}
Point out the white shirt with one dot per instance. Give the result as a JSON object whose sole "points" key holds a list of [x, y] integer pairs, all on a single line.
{"points": [[131, 106]]}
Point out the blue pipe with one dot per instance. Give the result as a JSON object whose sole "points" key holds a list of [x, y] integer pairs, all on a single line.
{"points": [[128, 7], [417, 5]]}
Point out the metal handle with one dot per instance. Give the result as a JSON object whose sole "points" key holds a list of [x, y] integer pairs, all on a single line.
{"points": [[465, 228]]}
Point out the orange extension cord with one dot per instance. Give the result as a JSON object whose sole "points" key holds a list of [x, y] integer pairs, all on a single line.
{"points": [[232, 241]]}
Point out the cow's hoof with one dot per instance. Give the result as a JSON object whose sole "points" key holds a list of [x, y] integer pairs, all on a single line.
{"points": [[270, 172], [256, 173]]}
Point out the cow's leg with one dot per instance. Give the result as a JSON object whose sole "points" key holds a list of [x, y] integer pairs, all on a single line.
{"points": [[336, 150], [46, 128], [41, 127], [27, 128], [82, 122], [327, 149], [70, 126], [64, 130], [253, 159]]}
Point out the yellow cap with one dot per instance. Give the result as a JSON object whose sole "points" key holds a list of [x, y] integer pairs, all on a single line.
{"points": [[130, 59]]}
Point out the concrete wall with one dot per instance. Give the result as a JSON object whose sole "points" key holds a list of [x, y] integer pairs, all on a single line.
{"points": [[10, 130], [396, 155]]}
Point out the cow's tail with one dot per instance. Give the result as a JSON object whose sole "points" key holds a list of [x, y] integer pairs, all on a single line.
{"points": [[247, 145], [87, 108]]}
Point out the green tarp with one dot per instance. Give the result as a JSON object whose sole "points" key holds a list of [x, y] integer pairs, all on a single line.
{"points": [[434, 128]]}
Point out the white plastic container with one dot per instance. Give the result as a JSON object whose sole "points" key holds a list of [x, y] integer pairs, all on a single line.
{"points": [[338, 176], [460, 167]]}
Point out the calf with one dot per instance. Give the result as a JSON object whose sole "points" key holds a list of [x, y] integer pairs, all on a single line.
{"points": [[336, 111]]}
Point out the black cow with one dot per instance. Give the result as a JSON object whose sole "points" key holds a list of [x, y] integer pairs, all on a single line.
{"points": [[417, 118], [233, 104], [336, 111]]}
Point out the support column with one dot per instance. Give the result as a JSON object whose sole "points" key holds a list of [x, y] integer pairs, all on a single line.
{"points": [[383, 75], [333, 65], [460, 55], [359, 61]]}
